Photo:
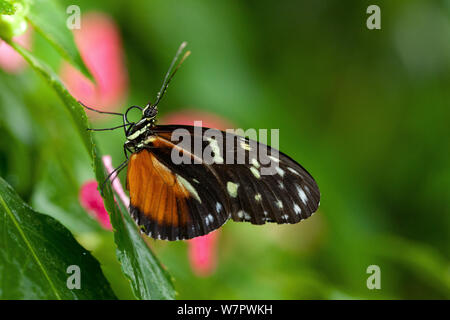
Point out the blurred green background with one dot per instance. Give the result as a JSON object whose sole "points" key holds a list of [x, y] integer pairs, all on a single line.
{"points": [[365, 111]]}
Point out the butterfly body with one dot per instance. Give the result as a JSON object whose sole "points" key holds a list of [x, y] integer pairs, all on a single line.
{"points": [[137, 134]]}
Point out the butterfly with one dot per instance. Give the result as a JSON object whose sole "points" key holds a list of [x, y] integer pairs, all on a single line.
{"points": [[178, 192]]}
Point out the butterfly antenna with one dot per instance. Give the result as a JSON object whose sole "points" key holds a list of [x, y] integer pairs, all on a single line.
{"points": [[170, 74]]}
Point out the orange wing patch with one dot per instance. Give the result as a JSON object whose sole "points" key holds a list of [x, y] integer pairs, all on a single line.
{"points": [[156, 192]]}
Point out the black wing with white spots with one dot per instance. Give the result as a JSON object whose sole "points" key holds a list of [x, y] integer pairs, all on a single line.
{"points": [[261, 187]]}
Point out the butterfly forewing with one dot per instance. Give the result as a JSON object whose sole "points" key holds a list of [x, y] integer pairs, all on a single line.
{"points": [[197, 195]]}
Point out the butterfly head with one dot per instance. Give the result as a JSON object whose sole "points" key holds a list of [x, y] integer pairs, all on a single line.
{"points": [[149, 112]]}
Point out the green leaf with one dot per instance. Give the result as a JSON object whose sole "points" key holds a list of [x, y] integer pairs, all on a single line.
{"points": [[426, 262], [6, 7], [57, 192], [36, 251], [148, 279], [49, 19], [13, 23]]}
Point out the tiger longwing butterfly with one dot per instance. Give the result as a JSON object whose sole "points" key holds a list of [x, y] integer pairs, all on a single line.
{"points": [[173, 200]]}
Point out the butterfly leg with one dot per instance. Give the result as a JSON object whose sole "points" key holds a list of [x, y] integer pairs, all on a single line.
{"points": [[125, 149], [115, 171]]}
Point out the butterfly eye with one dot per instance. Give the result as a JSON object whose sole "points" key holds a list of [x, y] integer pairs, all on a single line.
{"points": [[150, 112]]}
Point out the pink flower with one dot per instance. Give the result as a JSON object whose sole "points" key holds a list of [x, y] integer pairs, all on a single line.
{"points": [[202, 251], [92, 202], [100, 46], [203, 254], [117, 186], [10, 60]]}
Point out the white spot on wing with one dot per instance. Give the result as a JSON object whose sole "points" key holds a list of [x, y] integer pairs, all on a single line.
{"points": [[274, 159], [258, 197], [255, 163], [215, 148], [243, 215], [245, 146], [279, 204], [189, 187], [232, 188], [280, 171], [218, 207], [209, 219], [293, 171], [297, 209], [255, 172], [302, 195]]}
